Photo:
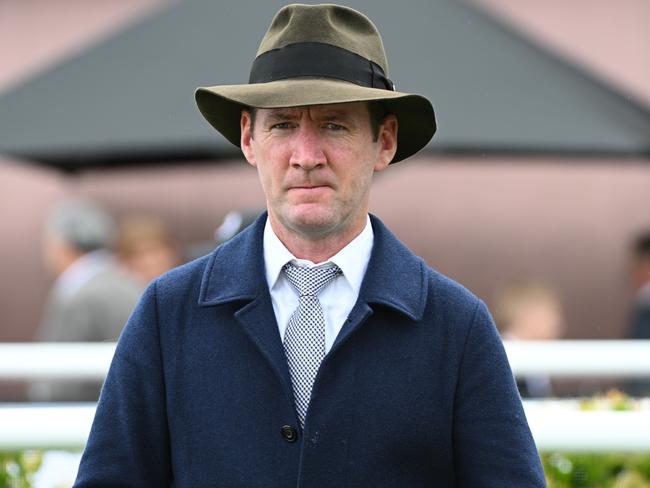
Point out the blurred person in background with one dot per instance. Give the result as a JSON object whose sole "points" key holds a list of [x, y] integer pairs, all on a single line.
{"points": [[640, 278], [639, 327], [530, 310], [145, 247], [91, 298], [233, 223]]}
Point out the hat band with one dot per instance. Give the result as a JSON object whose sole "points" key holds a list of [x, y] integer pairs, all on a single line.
{"points": [[320, 60]]}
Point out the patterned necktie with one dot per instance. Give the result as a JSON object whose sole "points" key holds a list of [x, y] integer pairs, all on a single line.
{"points": [[304, 339]]}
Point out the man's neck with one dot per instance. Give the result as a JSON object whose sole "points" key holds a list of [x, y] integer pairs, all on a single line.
{"points": [[316, 249]]}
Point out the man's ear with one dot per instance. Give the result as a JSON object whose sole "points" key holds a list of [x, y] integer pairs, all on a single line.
{"points": [[247, 136], [387, 140]]}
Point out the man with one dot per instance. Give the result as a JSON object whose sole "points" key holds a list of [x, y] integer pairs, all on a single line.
{"points": [[640, 314], [145, 247], [530, 310], [91, 298], [312, 349], [233, 223], [640, 279]]}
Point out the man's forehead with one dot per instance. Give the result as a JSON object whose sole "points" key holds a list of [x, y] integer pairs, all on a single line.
{"points": [[335, 109]]}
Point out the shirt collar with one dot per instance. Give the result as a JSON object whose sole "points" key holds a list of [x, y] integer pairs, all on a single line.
{"points": [[352, 259]]}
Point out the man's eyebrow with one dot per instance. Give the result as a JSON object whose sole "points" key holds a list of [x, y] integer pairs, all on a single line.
{"points": [[281, 115], [288, 115], [334, 115]]}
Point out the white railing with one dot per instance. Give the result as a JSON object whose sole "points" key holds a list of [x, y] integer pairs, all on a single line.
{"points": [[55, 360], [45, 426], [571, 358], [561, 425], [566, 358], [555, 425]]}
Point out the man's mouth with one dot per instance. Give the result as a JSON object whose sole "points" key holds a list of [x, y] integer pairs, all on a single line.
{"points": [[309, 191]]}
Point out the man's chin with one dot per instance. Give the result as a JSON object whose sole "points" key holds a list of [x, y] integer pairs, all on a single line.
{"points": [[313, 223]]}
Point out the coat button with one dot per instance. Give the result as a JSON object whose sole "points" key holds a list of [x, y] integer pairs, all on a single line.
{"points": [[289, 433]]}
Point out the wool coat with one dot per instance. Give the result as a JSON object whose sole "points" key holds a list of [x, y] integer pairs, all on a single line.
{"points": [[415, 392]]}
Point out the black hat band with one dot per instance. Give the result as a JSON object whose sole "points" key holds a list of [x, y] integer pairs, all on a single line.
{"points": [[320, 60]]}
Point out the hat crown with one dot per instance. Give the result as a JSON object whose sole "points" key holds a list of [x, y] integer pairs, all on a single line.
{"points": [[331, 24]]}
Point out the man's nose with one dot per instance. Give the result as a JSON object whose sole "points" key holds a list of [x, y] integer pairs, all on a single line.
{"points": [[307, 152]]}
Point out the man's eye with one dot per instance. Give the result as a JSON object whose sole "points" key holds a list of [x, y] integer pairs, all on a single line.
{"points": [[333, 126], [282, 125]]}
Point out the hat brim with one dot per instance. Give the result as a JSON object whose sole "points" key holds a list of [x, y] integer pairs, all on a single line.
{"points": [[222, 106]]}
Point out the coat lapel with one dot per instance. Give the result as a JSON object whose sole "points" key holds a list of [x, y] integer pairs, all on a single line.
{"points": [[395, 278], [258, 320], [235, 273]]}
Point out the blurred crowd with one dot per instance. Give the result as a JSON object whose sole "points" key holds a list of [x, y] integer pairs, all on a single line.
{"points": [[640, 313], [101, 267], [532, 310]]}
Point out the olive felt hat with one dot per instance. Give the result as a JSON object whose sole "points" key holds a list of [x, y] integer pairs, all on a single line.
{"points": [[319, 54]]}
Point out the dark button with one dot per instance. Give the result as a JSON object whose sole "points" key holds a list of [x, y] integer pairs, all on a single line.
{"points": [[289, 433]]}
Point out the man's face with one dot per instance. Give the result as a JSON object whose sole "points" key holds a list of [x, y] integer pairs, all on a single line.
{"points": [[316, 164]]}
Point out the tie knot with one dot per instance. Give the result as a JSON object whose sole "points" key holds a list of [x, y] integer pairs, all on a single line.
{"points": [[309, 281]]}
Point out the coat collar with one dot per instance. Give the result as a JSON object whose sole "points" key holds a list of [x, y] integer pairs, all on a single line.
{"points": [[235, 270], [395, 278]]}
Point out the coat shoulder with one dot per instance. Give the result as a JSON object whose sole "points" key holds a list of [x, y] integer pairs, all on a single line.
{"points": [[399, 278], [449, 293], [185, 279]]}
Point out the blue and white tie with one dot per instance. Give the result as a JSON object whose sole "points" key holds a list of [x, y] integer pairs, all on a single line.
{"points": [[304, 339]]}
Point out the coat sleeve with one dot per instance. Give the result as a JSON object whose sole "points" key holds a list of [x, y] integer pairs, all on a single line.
{"points": [[492, 441], [128, 444]]}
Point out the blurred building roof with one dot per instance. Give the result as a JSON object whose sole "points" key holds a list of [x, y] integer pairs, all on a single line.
{"points": [[36, 34], [130, 97], [608, 38]]}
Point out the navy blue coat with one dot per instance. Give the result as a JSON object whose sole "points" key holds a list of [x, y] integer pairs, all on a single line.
{"points": [[415, 392]]}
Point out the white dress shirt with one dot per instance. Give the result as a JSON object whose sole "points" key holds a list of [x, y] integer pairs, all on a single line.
{"points": [[337, 298]]}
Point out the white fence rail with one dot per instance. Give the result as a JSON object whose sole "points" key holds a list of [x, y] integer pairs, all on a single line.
{"points": [[571, 358], [566, 358], [45, 426], [560, 425], [556, 425], [55, 360]]}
